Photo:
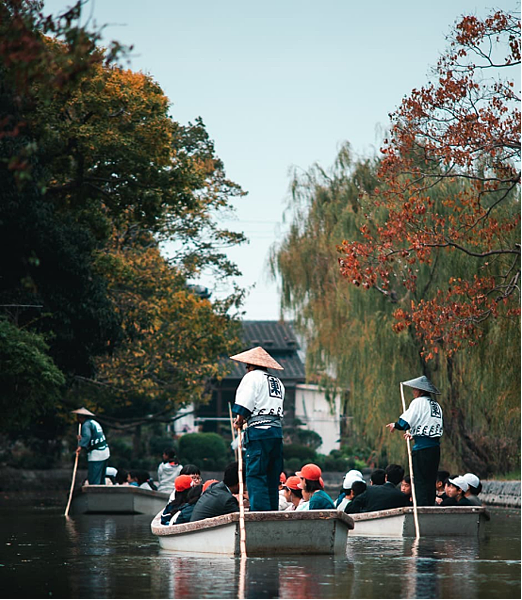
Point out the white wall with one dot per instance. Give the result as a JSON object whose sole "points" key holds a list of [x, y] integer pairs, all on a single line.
{"points": [[184, 424], [312, 408]]}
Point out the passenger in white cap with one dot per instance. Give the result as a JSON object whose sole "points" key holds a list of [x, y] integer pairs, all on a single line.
{"points": [[475, 487], [456, 489], [353, 485], [424, 421]]}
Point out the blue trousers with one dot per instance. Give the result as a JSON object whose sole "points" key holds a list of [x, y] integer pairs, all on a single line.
{"points": [[96, 471], [264, 463]]}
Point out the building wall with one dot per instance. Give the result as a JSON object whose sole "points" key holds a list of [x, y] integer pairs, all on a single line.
{"points": [[185, 424], [316, 413]]}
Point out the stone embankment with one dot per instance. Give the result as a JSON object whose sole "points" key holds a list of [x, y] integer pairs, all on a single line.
{"points": [[494, 493], [501, 493], [25, 480]]}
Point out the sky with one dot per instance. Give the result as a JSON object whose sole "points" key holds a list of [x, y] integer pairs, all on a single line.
{"points": [[280, 85]]}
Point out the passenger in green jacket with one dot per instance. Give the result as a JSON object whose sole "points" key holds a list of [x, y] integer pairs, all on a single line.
{"points": [[313, 488]]}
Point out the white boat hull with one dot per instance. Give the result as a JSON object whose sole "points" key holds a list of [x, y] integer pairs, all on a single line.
{"points": [[434, 521], [267, 533], [118, 499]]}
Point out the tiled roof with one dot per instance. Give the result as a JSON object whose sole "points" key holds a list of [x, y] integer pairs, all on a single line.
{"points": [[272, 335], [278, 339]]}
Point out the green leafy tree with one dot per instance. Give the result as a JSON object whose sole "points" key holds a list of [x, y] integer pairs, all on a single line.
{"points": [[96, 175], [172, 338], [30, 381]]}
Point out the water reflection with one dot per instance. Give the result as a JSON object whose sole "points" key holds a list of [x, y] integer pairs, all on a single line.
{"points": [[196, 576], [45, 555], [182, 576], [424, 568]]}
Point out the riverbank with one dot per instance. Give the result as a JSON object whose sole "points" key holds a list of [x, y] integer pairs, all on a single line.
{"points": [[494, 493]]}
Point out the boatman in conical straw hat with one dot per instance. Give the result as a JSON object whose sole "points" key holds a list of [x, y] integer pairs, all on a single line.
{"points": [[259, 404], [424, 421], [92, 440]]}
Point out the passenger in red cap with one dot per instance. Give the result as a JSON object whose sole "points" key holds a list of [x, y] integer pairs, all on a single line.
{"points": [[182, 486], [208, 483], [219, 498], [283, 502], [313, 488], [293, 493], [185, 512], [182, 483]]}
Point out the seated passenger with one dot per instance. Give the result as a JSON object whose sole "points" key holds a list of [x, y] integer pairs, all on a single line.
{"points": [[352, 488], [186, 510], [305, 504], [355, 474], [455, 491], [121, 477], [358, 487], [351, 476], [219, 499], [378, 477], [381, 497], [283, 502], [145, 481], [444, 494], [293, 493], [133, 478], [194, 473], [313, 488], [406, 487], [208, 483], [168, 470], [474, 489], [182, 486], [110, 475], [442, 477]]}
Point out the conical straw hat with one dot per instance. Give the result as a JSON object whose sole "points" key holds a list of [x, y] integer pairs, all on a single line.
{"points": [[83, 411], [421, 383], [258, 357]]}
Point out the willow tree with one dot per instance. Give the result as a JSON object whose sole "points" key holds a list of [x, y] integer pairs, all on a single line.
{"points": [[351, 333]]}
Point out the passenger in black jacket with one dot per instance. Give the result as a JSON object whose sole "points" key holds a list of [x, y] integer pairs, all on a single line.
{"points": [[381, 497], [455, 493], [219, 499]]}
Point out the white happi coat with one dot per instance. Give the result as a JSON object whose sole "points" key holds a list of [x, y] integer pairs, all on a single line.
{"points": [[262, 394], [424, 416]]}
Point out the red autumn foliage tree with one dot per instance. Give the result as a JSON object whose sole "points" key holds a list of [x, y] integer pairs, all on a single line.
{"points": [[450, 180]]}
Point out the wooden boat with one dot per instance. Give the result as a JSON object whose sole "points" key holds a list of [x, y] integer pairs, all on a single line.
{"points": [[267, 533], [434, 521], [118, 499]]}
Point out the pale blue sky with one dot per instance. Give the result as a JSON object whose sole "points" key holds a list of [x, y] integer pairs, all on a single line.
{"points": [[280, 84]]}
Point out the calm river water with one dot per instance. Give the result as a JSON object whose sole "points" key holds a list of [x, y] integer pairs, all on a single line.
{"points": [[43, 555]]}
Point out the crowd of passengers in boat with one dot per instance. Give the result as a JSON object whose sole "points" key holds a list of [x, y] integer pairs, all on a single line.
{"points": [[192, 499]]}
